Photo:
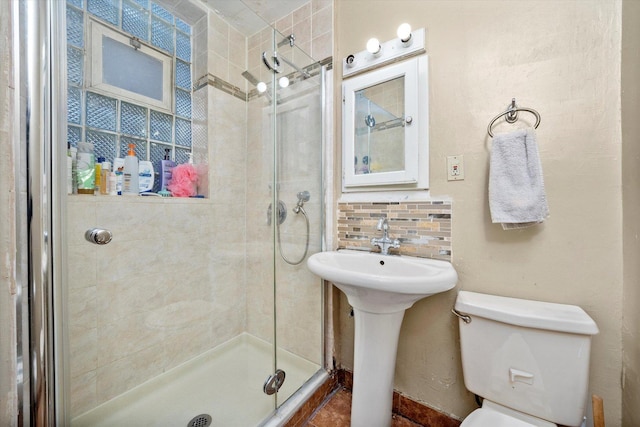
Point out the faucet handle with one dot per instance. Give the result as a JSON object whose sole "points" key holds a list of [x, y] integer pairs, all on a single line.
{"points": [[382, 224]]}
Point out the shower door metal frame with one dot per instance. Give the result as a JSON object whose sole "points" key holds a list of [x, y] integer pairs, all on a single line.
{"points": [[40, 69]]}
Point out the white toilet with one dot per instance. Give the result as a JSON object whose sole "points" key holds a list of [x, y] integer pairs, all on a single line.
{"points": [[529, 360]]}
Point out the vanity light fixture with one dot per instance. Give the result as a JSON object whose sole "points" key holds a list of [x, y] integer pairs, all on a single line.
{"points": [[408, 43], [262, 87], [404, 34], [373, 46]]}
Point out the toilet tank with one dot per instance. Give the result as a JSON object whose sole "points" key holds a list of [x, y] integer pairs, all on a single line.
{"points": [[529, 356]]}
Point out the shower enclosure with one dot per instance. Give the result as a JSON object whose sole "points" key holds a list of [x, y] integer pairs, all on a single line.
{"points": [[199, 310]]}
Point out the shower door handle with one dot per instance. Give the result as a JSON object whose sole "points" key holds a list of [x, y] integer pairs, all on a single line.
{"points": [[274, 382], [98, 236]]}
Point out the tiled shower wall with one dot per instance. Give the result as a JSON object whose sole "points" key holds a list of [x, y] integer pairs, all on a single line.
{"points": [[423, 228]]}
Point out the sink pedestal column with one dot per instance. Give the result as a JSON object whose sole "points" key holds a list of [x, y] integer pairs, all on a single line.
{"points": [[376, 343]]}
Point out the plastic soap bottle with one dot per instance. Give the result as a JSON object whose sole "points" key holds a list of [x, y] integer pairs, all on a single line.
{"points": [[113, 184], [69, 170], [130, 173], [104, 178], [86, 168], [99, 174], [74, 169], [166, 168]]}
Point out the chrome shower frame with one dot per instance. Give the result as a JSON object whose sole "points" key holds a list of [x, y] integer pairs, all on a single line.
{"points": [[40, 103]]}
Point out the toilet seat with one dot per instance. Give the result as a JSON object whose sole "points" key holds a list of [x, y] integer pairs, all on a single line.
{"points": [[494, 415]]}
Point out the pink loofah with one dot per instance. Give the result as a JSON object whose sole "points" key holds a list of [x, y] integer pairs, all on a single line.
{"points": [[184, 179]]}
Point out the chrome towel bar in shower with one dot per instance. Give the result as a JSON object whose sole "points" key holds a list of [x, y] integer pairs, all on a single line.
{"points": [[511, 114]]}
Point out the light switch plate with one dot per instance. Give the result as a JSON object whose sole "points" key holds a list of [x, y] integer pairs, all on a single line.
{"points": [[455, 168]]}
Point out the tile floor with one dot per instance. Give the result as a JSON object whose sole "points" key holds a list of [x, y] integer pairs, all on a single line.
{"points": [[336, 412]]}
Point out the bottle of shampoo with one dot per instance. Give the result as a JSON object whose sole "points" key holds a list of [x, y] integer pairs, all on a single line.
{"points": [[69, 170], [104, 178], [86, 168], [166, 168], [113, 184], [118, 168], [74, 169], [98, 167], [145, 177], [130, 173]]}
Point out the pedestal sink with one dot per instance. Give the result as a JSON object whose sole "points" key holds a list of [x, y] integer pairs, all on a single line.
{"points": [[379, 288]]}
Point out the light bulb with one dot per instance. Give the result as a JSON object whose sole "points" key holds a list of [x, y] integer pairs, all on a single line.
{"points": [[404, 32], [373, 45], [283, 82], [262, 87]]}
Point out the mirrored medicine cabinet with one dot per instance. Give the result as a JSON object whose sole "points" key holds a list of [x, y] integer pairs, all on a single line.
{"points": [[385, 128]]}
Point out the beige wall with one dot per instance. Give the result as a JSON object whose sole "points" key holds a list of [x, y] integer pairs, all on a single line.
{"points": [[8, 402], [563, 59], [631, 211]]}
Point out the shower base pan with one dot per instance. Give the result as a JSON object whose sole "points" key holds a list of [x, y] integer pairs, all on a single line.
{"points": [[224, 383]]}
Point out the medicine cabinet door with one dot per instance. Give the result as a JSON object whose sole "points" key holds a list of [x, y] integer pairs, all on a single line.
{"points": [[384, 127]]}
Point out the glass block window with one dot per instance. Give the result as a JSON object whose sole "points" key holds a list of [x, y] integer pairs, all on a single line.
{"points": [[104, 144], [161, 34], [75, 57], [74, 105], [133, 120], [75, 27], [74, 135], [135, 20], [183, 132], [101, 111], [161, 13], [107, 10], [112, 122], [161, 126]]}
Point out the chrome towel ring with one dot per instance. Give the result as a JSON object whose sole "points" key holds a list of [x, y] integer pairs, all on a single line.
{"points": [[511, 114]]}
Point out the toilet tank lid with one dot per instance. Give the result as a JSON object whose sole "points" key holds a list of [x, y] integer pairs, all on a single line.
{"points": [[527, 313]]}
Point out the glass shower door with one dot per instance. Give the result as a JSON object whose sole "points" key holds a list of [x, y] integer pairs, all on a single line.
{"points": [[284, 180], [298, 174]]}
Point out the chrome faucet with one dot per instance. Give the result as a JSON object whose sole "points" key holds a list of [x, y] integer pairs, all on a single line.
{"points": [[385, 242]]}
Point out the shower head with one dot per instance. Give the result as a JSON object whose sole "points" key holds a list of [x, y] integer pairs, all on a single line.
{"points": [[275, 68], [250, 77], [303, 197], [254, 81]]}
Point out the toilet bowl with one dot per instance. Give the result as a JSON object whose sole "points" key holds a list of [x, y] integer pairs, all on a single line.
{"points": [[493, 415], [529, 360]]}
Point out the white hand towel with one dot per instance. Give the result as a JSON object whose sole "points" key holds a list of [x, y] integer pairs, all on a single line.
{"points": [[516, 187]]}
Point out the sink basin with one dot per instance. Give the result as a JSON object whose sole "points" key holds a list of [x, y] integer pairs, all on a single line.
{"points": [[383, 283], [379, 288]]}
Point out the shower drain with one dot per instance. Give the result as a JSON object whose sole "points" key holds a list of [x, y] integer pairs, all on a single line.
{"points": [[202, 420]]}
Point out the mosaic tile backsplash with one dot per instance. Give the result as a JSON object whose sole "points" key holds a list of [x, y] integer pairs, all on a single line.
{"points": [[423, 228]]}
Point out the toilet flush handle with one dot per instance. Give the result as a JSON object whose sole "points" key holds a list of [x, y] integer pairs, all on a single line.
{"points": [[520, 376], [464, 317]]}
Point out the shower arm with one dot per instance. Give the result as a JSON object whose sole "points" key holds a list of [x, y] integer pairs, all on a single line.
{"points": [[276, 67], [292, 65]]}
